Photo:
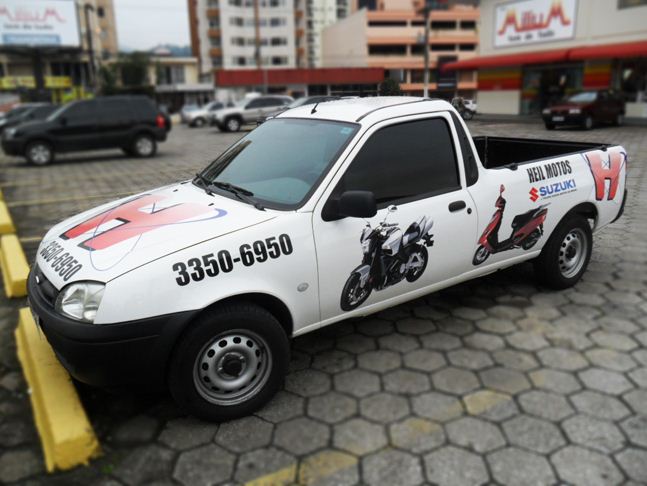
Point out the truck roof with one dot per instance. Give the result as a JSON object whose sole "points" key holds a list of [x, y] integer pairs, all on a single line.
{"points": [[369, 109]]}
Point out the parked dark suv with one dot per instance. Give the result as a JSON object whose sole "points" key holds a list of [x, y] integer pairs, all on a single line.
{"points": [[131, 123]]}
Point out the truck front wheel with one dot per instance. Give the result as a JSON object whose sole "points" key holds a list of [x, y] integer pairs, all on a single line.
{"points": [[564, 259], [230, 362]]}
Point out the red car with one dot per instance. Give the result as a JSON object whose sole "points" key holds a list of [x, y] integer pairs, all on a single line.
{"points": [[586, 109]]}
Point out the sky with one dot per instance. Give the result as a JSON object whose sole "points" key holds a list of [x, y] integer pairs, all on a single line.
{"points": [[142, 24]]}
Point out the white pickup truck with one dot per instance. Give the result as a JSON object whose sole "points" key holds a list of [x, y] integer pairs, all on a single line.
{"points": [[326, 212]]}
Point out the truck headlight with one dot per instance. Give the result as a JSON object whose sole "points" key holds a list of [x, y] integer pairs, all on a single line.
{"points": [[80, 300], [546, 111], [574, 111]]}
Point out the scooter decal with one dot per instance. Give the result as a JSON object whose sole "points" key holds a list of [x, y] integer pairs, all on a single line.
{"points": [[527, 229], [606, 166], [389, 256]]}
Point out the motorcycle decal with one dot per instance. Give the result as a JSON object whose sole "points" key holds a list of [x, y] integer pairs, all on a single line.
{"points": [[606, 166], [548, 171], [552, 190], [389, 256], [527, 229], [210, 265], [134, 218]]}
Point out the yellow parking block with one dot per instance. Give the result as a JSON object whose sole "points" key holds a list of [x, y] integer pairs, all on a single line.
{"points": [[13, 265], [6, 223], [66, 435]]}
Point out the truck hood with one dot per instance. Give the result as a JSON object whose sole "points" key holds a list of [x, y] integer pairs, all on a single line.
{"points": [[118, 237]]}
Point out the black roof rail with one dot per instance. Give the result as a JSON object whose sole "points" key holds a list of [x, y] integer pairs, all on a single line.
{"points": [[395, 104]]}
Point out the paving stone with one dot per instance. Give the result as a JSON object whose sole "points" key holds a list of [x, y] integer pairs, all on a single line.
{"points": [[313, 342], [639, 376], [186, 433], [392, 467], [515, 466], [379, 361], [484, 341], [633, 463], [301, 435], [258, 463], [384, 407], [13, 381], [244, 434], [18, 465], [333, 361], [416, 435], [424, 360], [475, 434], [640, 355], [453, 466], [205, 465], [554, 380], [569, 339], [562, 359], [400, 343], [490, 405], [533, 434], [496, 325], [358, 383], [547, 405], [299, 361], [527, 341], [516, 360], [356, 343], [614, 340], [577, 465], [359, 436], [455, 380], [637, 400], [593, 433], [332, 407], [406, 382], [440, 341], [282, 406], [605, 381], [613, 323], [329, 468], [307, 383], [455, 326], [636, 429], [17, 432], [415, 326], [504, 380], [145, 464], [374, 327], [437, 406], [138, 429], [505, 312], [470, 359], [599, 405], [610, 359]]}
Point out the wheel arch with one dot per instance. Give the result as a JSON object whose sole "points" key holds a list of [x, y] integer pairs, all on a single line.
{"points": [[586, 210]]}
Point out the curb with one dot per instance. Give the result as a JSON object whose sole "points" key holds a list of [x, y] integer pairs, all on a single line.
{"points": [[6, 223], [13, 265], [66, 435]]}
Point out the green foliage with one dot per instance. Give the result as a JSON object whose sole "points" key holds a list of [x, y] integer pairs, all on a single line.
{"points": [[134, 69], [107, 79], [390, 87]]}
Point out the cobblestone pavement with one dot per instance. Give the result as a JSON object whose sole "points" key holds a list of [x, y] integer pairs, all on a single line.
{"points": [[493, 381]]}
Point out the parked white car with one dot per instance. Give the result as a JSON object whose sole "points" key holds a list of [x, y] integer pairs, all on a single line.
{"points": [[200, 116], [313, 217], [248, 110]]}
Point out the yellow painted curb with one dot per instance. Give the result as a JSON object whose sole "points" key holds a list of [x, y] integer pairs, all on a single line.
{"points": [[66, 435], [14, 266], [6, 223]]}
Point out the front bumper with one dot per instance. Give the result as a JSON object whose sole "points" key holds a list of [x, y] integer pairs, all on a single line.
{"points": [[134, 353], [564, 119], [12, 146]]}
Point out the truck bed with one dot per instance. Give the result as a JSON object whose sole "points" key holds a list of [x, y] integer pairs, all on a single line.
{"points": [[496, 152]]}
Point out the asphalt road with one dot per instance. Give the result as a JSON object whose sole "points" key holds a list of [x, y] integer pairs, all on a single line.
{"points": [[493, 381]]}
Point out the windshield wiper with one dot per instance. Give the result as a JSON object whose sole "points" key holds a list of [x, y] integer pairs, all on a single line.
{"points": [[205, 183], [240, 192]]}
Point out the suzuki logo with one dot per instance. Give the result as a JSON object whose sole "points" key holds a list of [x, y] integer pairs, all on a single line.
{"points": [[534, 194]]}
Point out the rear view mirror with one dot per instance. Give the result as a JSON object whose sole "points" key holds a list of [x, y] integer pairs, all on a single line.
{"points": [[357, 204]]}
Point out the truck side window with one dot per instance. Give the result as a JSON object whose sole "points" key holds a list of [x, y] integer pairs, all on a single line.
{"points": [[404, 162], [469, 161]]}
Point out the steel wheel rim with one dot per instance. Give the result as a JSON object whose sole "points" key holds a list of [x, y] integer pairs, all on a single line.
{"points": [[232, 368], [572, 253], [39, 154], [144, 146], [233, 125]]}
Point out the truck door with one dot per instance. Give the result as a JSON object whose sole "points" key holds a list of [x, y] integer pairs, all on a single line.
{"points": [[410, 164]]}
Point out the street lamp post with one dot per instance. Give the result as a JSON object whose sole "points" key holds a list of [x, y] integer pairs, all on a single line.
{"points": [[88, 36], [426, 11]]}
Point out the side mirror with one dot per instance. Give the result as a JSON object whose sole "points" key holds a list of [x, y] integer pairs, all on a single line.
{"points": [[357, 204]]}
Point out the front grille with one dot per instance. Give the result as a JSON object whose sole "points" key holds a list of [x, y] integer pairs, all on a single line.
{"points": [[45, 288]]}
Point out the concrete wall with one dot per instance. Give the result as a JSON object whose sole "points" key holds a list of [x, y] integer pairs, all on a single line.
{"points": [[499, 102], [345, 43]]}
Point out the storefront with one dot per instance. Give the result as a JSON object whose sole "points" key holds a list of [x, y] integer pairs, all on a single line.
{"points": [[535, 52]]}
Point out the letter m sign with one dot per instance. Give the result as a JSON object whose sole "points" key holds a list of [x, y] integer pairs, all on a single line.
{"points": [[606, 166]]}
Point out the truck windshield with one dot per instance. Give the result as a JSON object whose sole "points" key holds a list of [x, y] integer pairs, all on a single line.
{"points": [[281, 162]]}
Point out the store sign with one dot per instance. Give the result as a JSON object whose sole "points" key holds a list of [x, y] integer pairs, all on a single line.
{"points": [[29, 82], [39, 23], [533, 21]]}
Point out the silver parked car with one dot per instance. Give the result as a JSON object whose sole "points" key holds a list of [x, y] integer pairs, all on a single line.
{"points": [[248, 111], [200, 117]]}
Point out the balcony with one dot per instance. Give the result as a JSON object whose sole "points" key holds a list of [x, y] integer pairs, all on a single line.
{"points": [[215, 52], [213, 12], [212, 32]]}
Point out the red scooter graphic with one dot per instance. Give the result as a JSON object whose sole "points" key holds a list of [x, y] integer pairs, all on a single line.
{"points": [[527, 228]]}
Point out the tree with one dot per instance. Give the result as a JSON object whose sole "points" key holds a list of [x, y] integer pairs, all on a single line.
{"points": [[108, 79], [390, 87], [134, 69]]}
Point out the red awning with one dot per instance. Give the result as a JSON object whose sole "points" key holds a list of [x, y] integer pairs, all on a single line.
{"points": [[608, 51], [256, 77]]}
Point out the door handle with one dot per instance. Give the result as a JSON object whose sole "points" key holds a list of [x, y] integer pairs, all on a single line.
{"points": [[456, 206]]}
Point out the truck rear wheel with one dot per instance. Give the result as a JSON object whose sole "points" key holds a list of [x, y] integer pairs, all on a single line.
{"points": [[230, 362], [566, 255]]}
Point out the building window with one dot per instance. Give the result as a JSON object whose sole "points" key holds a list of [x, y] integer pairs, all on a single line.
{"points": [[279, 41], [216, 62], [418, 76], [279, 60], [631, 3], [240, 61], [277, 22], [101, 12], [633, 80], [214, 23], [443, 25], [443, 47], [215, 42], [388, 50], [236, 21], [467, 47], [237, 41], [468, 25], [387, 23]]}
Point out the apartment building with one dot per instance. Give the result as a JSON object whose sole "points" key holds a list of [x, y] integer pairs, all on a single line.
{"points": [[107, 26], [390, 34], [320, 14]]}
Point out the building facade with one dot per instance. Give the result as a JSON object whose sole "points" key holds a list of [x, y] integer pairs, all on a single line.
{"points": [[533, 52], [390, 34], [319, 14], [177, 82]]}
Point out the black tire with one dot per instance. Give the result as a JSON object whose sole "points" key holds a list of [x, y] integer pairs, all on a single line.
{"points": [[587, 123], [189, 389], [198, 122], [415, 274], [128, 151], [39, 152], [350, 286], [550, 126], [551, 265], [144, 145], [620, 120], [480, 255], [233, 124]]}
